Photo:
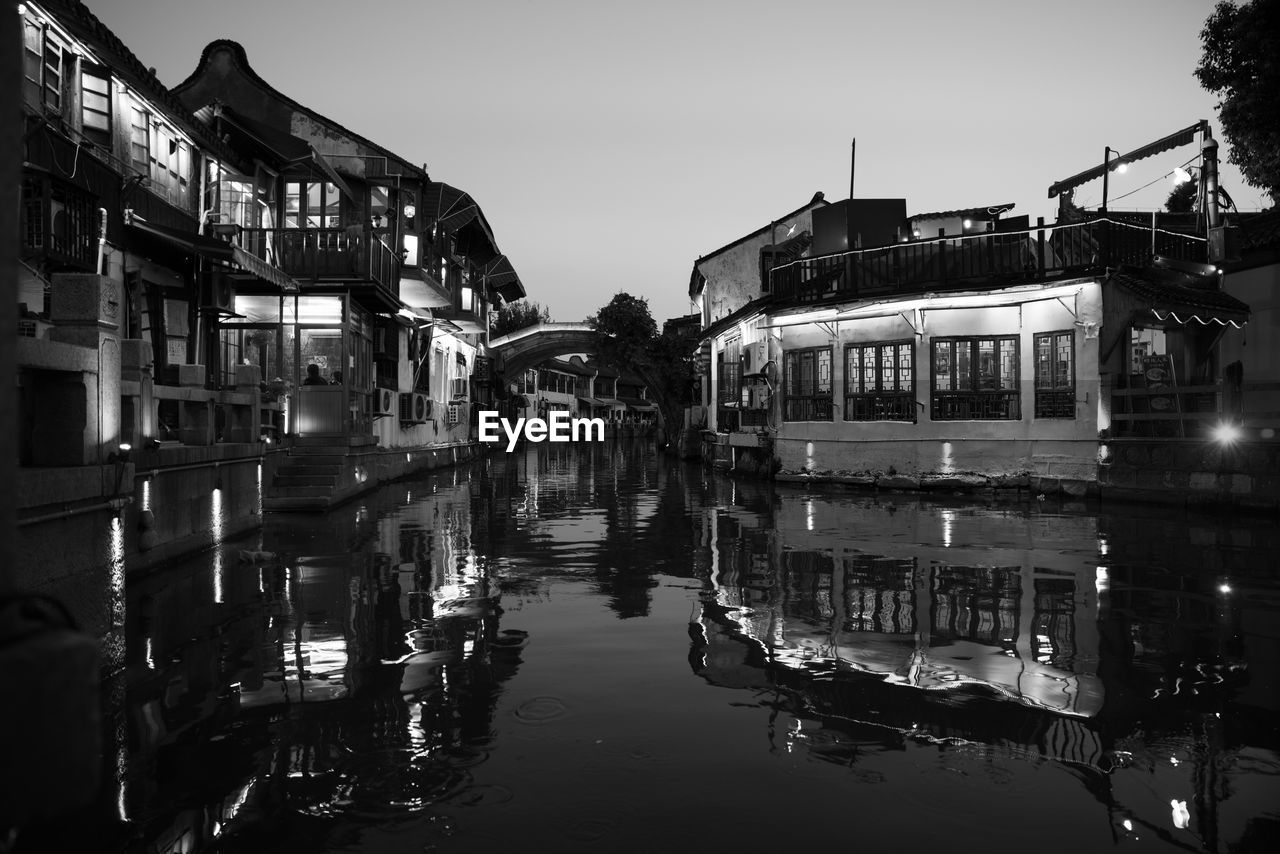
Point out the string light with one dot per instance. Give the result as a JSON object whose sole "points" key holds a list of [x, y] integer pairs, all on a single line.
{"points": [[1196, 318]]}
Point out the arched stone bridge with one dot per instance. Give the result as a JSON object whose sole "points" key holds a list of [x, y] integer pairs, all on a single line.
{"points": [[525, 348]]}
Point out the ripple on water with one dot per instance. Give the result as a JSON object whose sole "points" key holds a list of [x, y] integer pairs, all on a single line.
{"points": [[540, 710]]}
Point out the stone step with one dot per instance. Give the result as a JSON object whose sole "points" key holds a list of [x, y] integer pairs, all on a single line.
{"points": [[296, 503], [329, 454], [301, 492], [309, 468], [283, 480]]}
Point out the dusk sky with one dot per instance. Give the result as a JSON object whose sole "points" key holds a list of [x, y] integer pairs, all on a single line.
{"points": [[612, 143]]}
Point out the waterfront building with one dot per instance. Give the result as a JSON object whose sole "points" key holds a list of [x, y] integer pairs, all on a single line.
{"points": [[227, 303], [972, 344], [396, 274]]}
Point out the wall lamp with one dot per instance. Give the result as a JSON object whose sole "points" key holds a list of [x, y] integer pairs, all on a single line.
{"points": [[121, 453]]}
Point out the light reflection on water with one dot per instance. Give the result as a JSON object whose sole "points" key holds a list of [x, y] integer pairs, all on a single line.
{"points": [[572, 650]]}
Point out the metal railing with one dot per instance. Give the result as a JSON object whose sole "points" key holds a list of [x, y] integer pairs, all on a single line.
{"points": [[897, 406], [960, 261], [315, 254], [795, 408], [975, 406]]}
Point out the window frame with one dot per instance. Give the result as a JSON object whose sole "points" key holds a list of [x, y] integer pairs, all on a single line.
{"points": [[970, 401], [90, 113], [818, 405], [1057, 399], [878, 403]]}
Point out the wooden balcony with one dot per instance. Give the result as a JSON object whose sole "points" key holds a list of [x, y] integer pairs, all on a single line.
{"points": [[327, 255], [960, 262]]}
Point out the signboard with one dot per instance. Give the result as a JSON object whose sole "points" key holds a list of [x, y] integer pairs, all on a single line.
{"points": [[1158, 377]]}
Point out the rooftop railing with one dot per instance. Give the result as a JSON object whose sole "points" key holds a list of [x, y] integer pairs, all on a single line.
{"points": [[956, 262]]}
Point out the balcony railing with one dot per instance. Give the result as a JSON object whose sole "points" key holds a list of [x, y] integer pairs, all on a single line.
{"points": [[958, 262], [326, 254]]}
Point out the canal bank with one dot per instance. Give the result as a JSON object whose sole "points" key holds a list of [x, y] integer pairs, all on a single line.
{"points": [[83, 529], [1196, 473]]}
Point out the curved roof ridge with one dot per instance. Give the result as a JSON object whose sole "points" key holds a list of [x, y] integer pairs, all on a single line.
{"points": [[241, 59]]}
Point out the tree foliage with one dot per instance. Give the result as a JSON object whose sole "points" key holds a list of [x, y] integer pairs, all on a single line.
{"points": [[514, 316], [628, 340], [1240, 64], [625, 329], [1182, 199]]}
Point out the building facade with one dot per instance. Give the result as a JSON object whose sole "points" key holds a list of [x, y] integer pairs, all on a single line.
{"points": [[987, 348]]}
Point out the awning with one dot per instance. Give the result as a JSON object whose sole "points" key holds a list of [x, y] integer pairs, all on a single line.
{"points": [[1167, 303], [268, 273], [1173, 140], [502, 278], [216, 250], [455, 211], [638, 404], [610, 401], [193, 242], [591, 401]]}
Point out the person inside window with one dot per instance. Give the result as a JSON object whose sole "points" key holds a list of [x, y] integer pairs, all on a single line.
{"points": [[337, 378], [313, 375]]}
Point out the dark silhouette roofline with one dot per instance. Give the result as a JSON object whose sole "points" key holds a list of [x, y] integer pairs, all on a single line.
{"points": [[241, 59], [817, 198]]}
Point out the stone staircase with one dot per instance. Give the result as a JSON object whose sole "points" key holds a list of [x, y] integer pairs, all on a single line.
{"points": [[307, 480]]}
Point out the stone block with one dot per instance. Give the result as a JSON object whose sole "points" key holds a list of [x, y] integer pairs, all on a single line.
{"points": [[897, 481], [84, 298], [135, 357], [247, 376], [191, 375]]}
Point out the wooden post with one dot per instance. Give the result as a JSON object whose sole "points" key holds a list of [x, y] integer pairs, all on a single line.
{"points": [[1040, 246]]}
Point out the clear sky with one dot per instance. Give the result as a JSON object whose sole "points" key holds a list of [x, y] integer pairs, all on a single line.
{"points": [[612, 143]]}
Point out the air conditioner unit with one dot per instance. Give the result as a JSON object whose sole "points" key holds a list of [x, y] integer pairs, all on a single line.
{"points": [[458, 388], [759, 396], [421, 407], [759, 354], [406, 408], [384, 401], [455, 413]]}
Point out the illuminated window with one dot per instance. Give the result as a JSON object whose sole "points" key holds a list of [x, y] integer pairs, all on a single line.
{"points": [[1055, 375], [880, 382], [807, 385], [95, 105], [311, 204], [975, 379], [729, 384]]}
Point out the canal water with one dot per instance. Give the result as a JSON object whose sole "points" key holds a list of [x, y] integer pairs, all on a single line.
{"points": [[602, 649]]}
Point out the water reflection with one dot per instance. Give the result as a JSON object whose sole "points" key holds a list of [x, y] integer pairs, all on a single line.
{"points": [[528, 647]]}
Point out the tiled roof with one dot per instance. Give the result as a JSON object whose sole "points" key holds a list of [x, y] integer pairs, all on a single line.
{"points": [[1165, 290], [241, 60]]}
